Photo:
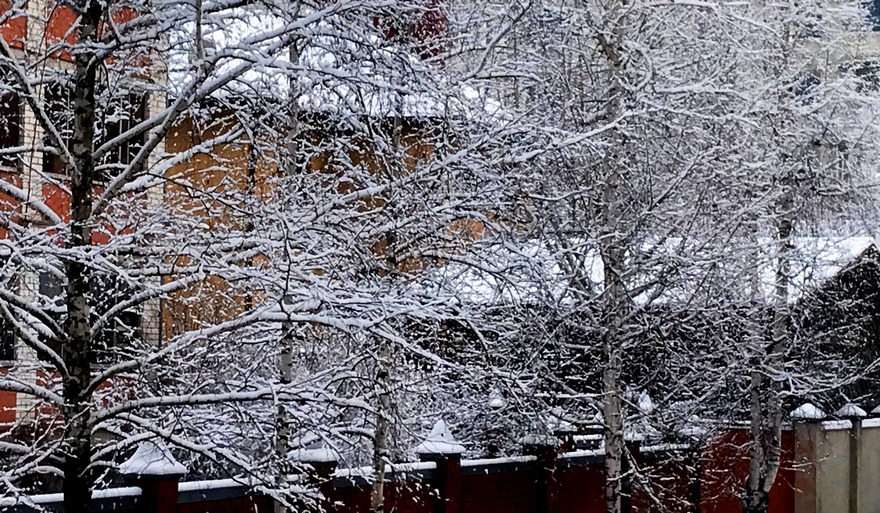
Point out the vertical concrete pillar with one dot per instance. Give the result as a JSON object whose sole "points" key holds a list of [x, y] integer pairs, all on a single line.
{"points": [[854, 414], [807, 421], [855, 448]]}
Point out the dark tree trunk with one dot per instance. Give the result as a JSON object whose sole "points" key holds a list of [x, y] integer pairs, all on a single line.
{"points": [[78, 478]]}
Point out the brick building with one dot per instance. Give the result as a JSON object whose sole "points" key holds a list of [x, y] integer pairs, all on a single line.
{"points": [[38, 34], [42, 33]]}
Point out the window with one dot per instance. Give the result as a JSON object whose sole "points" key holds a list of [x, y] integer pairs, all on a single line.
{"points": [[10, 128], [59, 110], [107, 292], [52, 300], [811, 24], [115, 116], [122, 330], [867, 73], [124, 113], [873, 8], [806, 87], [7, 341], [8, 281]]}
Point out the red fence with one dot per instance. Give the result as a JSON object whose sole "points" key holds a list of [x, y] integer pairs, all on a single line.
{"points": [[673, 479], [725, 465]]}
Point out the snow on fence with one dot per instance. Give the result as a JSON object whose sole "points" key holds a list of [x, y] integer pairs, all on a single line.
{"points": [[547, 478], [111, 499], [437, 483], [828, 465]]}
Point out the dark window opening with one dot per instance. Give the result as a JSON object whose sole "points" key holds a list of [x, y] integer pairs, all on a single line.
{"points": [[125, 112], [873, 8], [59, 109], [7, 341], [806, 87], [107, 292], [52, 301], [8, 281], [122, 330], [115, 116], [10, 128], [811, 24], [868, 74]]}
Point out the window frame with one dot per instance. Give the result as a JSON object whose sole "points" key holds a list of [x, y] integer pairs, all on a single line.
{"points": [[59, 108], [129, 322]]}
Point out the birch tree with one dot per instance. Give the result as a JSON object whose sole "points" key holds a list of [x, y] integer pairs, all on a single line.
{"points": [[811, 139], [639, 101]]}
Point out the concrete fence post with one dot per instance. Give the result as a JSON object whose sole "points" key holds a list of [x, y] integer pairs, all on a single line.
{"points": [[154, 470], [807, 420], [545, 450], [442, 449], [854, 414]]}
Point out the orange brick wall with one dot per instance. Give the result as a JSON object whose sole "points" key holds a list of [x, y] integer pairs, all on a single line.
{"points": [[14, 30]]}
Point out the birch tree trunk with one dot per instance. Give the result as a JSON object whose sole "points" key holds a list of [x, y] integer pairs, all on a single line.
{"points": [[77, 330], [613, 259], [282, 420], [613, 429], [380, 442], [765, 388], [394, 166], [383, 393], [285, 353]]}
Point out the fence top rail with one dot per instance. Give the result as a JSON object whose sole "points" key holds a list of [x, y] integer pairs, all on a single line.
{"points": [[53, 498], [498, 461], [389, 469], [214, 484], [586, 453], [667, 447], [834, 425]]}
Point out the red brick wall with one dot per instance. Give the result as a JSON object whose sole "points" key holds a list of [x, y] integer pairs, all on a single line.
{"points": [[352, 499], [14, 30], [60, 26], [60, 20], [503, 492], [410, 497], [670, 486]]}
